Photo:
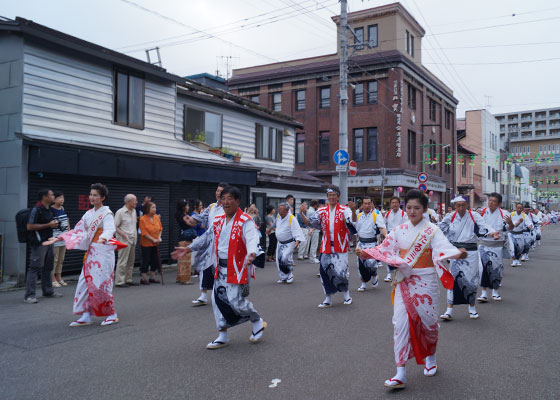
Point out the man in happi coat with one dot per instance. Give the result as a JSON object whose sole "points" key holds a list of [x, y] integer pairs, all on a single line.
{"points": [[235, 244], [393, 218], [289, 236], [491, 251], [538, 219], [417, 248], [519, 237], [462, 228], [334, 220], [368, 224], [203, 258]]}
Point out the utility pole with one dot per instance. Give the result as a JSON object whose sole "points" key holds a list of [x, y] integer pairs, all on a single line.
{"points": [[343, 98]]}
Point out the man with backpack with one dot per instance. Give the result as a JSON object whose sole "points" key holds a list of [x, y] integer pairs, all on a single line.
{"points": [[40, 229]]}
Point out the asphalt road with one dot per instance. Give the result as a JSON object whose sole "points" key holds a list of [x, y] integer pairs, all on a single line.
{"points": [[157, 351]]}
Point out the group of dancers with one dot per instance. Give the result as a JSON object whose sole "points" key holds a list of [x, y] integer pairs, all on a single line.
{"points": [[415, 249]]}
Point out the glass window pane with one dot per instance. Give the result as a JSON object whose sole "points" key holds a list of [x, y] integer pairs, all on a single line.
{"points": [[213, 129], [300, 148], [359, 93], [324, 149], [372, 35], [372, 92], [358, 145], [194, 127], [266, 145], [121, 100], [372, 144], [325, 97], [359, 38], [273, 141], [136, 101]]}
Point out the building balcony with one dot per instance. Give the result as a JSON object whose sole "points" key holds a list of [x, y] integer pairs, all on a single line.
{"points": [[540, 115]]}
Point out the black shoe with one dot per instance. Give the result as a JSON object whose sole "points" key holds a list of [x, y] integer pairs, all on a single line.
{"points": [[144, 282], [154, 280], [132, 284], [53, 295], [123, 285]]}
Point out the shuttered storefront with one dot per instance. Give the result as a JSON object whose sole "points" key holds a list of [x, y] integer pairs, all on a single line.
{"points": [[76, 203]]}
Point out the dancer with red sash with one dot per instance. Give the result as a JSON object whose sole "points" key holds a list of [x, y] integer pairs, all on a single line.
{"points": [[235, 244], [417, 248], [94, 233], [334, 220]]}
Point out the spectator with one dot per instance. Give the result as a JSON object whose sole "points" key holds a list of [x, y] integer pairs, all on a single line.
{"points": [[59, 249], [125, 223], [41, 224], [150, 238], [270, 231], [140, 207], [186, 235], [313, 239], [253, 211], [291, 201]]}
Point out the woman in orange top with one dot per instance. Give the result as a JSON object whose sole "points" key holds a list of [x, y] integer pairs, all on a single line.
{"points": [[150, 238]]}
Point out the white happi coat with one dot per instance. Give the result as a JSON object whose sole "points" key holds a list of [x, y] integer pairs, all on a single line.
{"points": [[394, 219], [205, 257], [94, 292], [416, 292], [287, 228]]}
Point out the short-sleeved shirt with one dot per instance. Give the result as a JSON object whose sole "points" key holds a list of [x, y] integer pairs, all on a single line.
{"points": [[125, 220], [149, 227], [63, 224], [40, 215]]}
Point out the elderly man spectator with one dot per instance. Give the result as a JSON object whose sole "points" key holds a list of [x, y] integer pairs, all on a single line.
{"points": [[125, 222]]}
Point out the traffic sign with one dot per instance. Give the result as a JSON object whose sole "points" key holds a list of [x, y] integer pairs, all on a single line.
{"points": [[423, 187], [341, 157], [422, 177], [352, 168], [341, 168]]}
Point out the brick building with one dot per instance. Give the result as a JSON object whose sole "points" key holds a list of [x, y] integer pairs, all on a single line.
{"points": [[399, 113]]}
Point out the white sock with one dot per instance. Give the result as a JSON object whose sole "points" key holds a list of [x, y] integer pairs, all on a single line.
{"points": [[449, 311], [483, 294], [222, 337], [363, 285], [257, 325], [401, 374], [472, 309], [430, 361], [327, 299], [347, 294], [85, 317], [495, 292], [203, 296]]}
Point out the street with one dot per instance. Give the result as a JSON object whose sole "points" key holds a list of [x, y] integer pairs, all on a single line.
{"points": [[158, 351]]}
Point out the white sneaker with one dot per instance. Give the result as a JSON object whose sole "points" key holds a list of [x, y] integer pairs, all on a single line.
{"points": [[376, 283], [315, 260], [388, 278]]}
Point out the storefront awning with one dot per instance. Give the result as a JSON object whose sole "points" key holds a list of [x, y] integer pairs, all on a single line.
{"points": [[481, 196]]}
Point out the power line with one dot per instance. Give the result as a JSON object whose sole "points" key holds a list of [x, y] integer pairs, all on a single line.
{"points": [[497, 17], [491, 46], [499, 63]]}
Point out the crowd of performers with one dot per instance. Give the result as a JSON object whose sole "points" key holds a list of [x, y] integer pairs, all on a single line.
{"points": [[463, 249]]}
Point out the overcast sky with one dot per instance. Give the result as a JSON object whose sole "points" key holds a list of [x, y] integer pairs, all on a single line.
{"points": [[478, 47]]}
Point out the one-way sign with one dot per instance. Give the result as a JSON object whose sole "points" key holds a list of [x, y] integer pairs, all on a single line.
{"points": [[341, 157]]}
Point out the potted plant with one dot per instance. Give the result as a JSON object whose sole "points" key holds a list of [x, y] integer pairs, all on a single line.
{"points": [[199, 140], [236, 157], [227, 153], [215, 150]]}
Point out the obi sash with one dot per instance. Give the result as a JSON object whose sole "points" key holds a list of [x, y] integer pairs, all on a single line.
{"points": [[424, 261]]}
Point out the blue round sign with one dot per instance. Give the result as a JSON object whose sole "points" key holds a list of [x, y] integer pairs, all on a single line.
{"points": [[341, 157], [423, 187]]}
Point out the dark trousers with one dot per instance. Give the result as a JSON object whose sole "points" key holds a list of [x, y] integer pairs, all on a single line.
{"points": [[41, 261], [272, 243], [150, 258]]}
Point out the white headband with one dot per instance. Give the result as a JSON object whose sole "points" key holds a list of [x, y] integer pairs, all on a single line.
{"points": [[458, 199]]}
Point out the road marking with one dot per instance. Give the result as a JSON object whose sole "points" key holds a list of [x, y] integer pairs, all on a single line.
{"points": [[275, 383]]}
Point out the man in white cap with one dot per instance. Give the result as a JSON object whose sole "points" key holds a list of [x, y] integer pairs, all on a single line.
{"points": [[462, 228]]}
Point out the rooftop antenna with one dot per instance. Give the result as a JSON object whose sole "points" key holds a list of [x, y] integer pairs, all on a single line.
{"points": [[156, 51], [488, 105]]}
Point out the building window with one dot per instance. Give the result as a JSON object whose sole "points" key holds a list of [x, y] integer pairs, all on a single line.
{"points": [[202, 126], [372, 144], [432, 105], [412, 148], [489, 173], [464, 169], [358, 145], [411, 97], [268, 143], [372, 92], [359, 94], [325, 97], [300, 148], [372, 35], [447, 119], [324, 147], [359, 38], [300, 100], [276, 100], [433, 156], [412, 45], [129, 100], [254, 98]]}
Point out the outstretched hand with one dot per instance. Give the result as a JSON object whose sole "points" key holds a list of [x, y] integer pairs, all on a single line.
{"points": [[180, 252], [52, 240]]}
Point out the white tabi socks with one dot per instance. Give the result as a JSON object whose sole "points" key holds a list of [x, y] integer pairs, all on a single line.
{"points": [[85, 317], [347, 295]]}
